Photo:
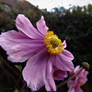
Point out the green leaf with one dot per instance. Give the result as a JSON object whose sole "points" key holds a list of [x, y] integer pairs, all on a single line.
{"points": [[19, 67]]}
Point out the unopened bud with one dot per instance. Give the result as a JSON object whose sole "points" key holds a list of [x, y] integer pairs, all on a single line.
{"points": [[86, 65]]}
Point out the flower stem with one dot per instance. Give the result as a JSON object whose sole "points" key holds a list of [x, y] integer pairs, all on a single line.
{"points": [[72, 77]]}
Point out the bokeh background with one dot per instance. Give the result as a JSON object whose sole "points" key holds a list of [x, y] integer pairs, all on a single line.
{"points": [[73, 24]]}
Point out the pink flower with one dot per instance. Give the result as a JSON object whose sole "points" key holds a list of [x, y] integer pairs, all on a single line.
{"points": [[79, 80], [44, 52]]}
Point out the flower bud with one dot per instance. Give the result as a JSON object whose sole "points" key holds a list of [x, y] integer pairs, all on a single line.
{"points": [[86, 65]]}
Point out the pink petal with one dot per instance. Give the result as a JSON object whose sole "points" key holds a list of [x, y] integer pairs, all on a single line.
{"points": [[34, 70], [82, 77], [60, 75], [67, 55], [22, 54], [49, 81], [71, 84], [18, 46], [24, 25], [41, 25], [63, 64], [78, 89], [77, 69], [38, 71], [71, 90], [64, 44]]}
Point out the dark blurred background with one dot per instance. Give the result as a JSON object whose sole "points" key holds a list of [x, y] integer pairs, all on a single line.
{"points": [[73, 24]]}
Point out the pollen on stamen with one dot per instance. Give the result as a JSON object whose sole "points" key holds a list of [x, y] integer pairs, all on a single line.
{"points": [[53, 43]]}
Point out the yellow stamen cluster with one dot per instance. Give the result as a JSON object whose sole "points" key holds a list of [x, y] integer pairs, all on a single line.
{"points": [[53, 43]]}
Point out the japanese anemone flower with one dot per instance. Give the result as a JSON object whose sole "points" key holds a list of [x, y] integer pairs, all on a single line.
{"points": [[44, 52], [75, 84]]}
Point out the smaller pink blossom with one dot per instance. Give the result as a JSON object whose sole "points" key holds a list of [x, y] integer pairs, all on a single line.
{"points": [[75, 84]]}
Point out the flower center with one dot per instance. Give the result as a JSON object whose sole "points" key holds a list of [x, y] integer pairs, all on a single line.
{"points": [[53, 43]]}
